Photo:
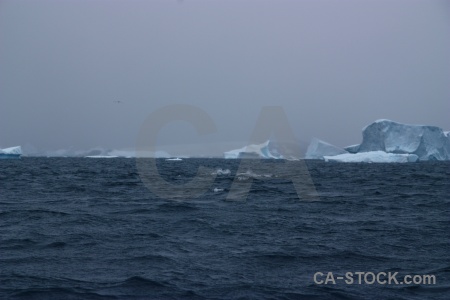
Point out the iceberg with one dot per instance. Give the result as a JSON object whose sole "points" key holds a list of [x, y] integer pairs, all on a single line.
{"points": [[12, 152], [317, 149], [264, 150], [102, 153], [122, 153], [352, 148], [373, 157], [174, 159], [427, 142], [388, 141]]}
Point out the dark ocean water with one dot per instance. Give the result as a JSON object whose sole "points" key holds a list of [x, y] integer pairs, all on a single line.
{"points": [[76, 228]]}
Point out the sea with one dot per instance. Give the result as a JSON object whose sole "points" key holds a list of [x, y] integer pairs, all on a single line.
{"points": [[86, 228]]}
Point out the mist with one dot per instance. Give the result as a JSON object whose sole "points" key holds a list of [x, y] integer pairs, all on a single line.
{"points": [[86, 74]]}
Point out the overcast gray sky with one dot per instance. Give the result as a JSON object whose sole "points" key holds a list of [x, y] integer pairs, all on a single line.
{"points": [[334, 66]]}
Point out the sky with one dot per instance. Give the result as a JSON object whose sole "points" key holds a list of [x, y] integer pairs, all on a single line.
{"points": [[85, 74]]}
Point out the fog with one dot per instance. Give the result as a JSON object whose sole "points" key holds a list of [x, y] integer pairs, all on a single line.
{"points": [[85, 74]]}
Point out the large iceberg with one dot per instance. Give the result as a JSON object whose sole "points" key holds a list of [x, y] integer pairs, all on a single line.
{"points": [[427, 142], [373, 157], [13, 152], [388, 141], [317, 149], [264, 150]]}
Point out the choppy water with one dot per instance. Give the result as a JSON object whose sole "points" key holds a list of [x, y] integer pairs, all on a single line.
{"points": [[75, 228]]}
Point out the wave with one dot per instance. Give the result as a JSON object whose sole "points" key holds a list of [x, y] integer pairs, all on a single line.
{"points": [[220, 171], [57, 293]]}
